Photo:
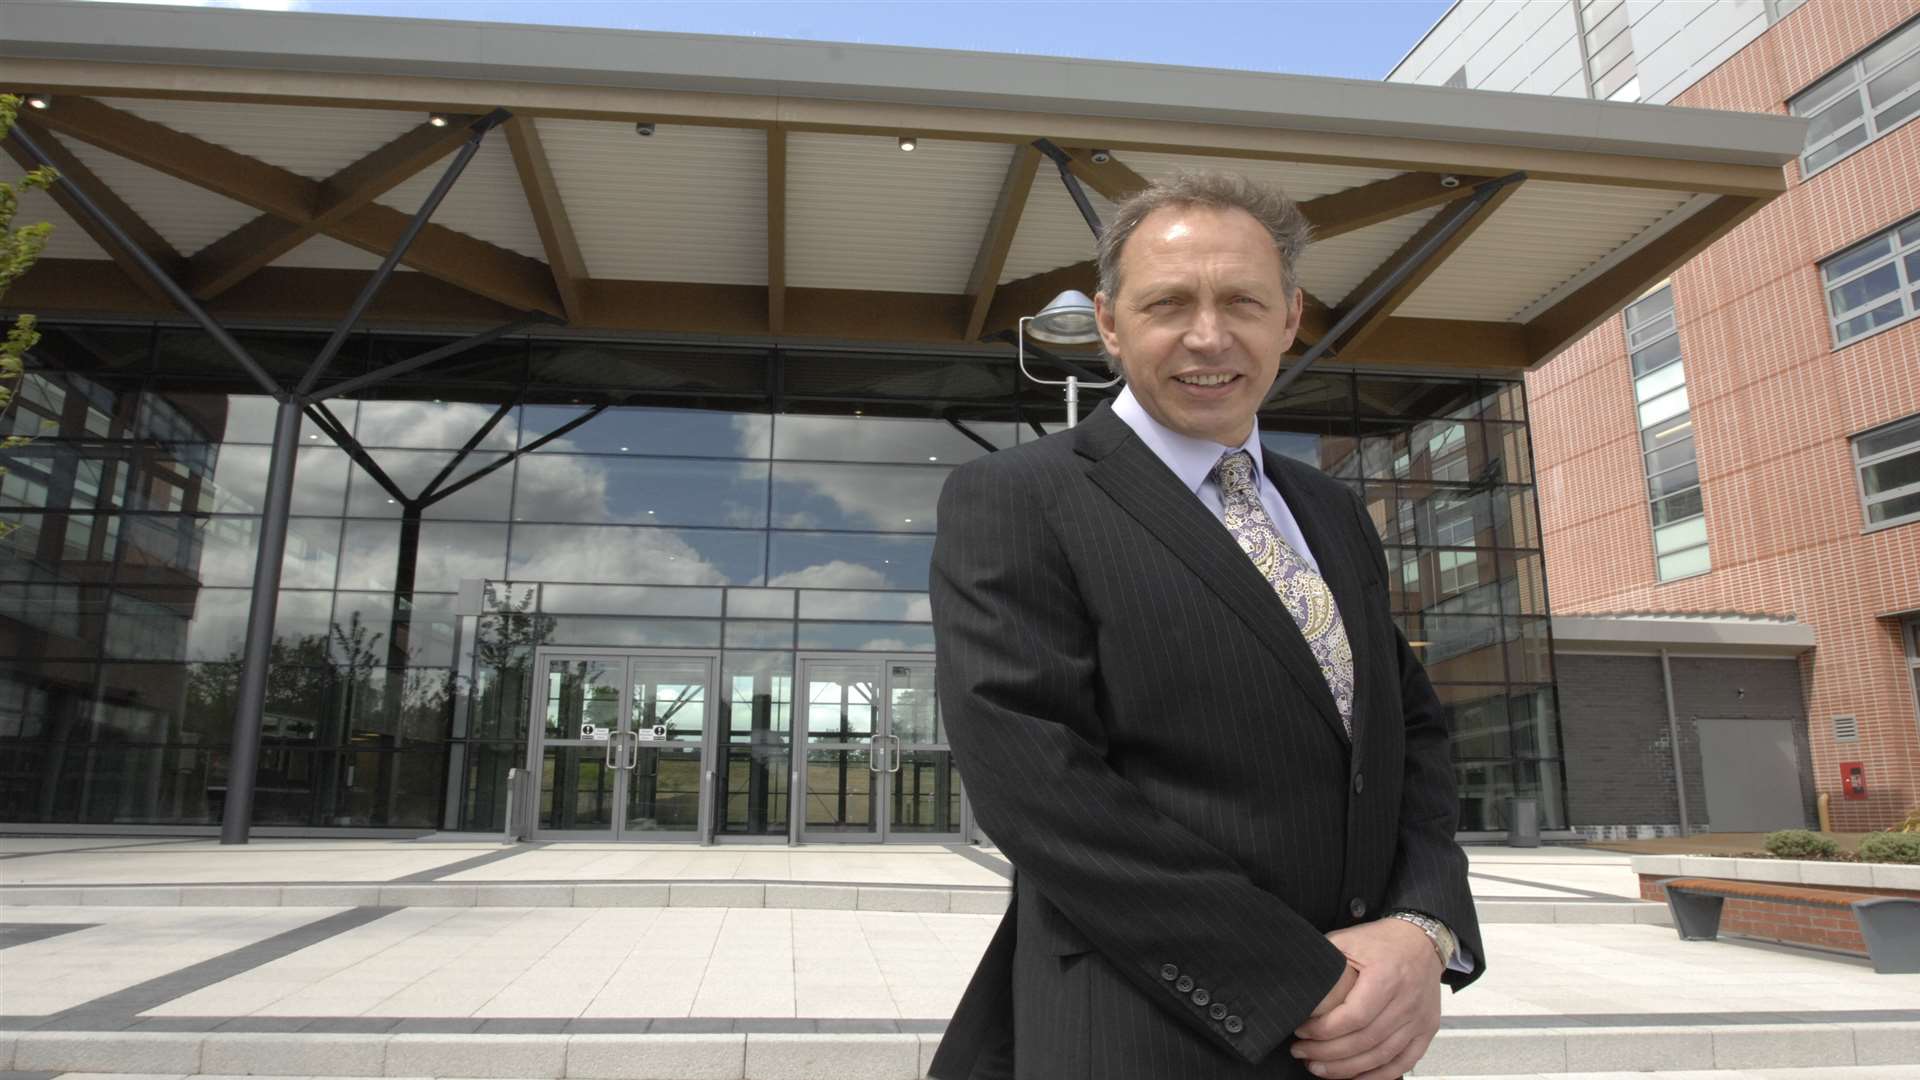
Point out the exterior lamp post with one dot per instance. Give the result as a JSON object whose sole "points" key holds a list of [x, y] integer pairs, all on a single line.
{"points": [[1067, 320]]}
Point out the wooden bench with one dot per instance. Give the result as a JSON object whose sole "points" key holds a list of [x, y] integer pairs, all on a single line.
{"points": [[1890, 925]]}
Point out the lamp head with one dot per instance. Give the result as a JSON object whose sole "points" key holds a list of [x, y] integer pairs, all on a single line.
{"points": [[1067, 320]]}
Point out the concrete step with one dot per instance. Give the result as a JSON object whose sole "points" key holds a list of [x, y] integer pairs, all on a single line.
{"points": [[1721, 1051], [959, 900]]}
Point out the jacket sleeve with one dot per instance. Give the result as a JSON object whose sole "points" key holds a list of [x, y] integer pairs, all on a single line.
{"points": [[1020, 692], [1429, 869]]}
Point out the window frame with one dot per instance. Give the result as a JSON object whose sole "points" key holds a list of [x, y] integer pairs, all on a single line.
{"points": [[1858, 87], [1860, 465], [1634, 327], [1906, 290]]}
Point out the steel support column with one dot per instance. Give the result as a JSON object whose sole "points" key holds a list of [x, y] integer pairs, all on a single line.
{"points": [[244, 755]]}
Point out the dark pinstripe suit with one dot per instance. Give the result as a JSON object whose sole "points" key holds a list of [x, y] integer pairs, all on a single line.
{"points": [[1145, 733]]}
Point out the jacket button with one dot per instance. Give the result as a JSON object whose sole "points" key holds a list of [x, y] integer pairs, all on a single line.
{"points": [[1184, 984], [1169, 972], [1234, 1025], [1359, 783], [1357, 907], [1218, 1012], [1201, 997]]}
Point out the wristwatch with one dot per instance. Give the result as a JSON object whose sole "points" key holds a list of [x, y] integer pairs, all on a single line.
{"points": [[1444, 943]]}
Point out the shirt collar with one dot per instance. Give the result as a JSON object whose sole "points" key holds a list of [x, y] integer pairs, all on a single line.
{"points": [[1191, 459]]}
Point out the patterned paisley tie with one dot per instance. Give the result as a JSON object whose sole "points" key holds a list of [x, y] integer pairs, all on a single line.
{"points": [[1304, 592]]}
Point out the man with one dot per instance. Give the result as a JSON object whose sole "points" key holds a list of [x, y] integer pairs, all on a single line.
{"points": [[1183, 710]]}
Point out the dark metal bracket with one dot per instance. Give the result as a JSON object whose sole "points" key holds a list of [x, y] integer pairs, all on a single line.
{"points": [[1064, 162], [1462, 211]]}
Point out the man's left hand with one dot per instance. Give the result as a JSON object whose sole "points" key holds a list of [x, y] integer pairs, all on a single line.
{"points": [[1383, 1027]]}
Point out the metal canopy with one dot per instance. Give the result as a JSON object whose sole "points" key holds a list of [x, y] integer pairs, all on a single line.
{"points": [[270, 159]]}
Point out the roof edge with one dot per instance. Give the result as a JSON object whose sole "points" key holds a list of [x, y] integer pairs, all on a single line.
{"points": [[341, 44], [1650, 634]]}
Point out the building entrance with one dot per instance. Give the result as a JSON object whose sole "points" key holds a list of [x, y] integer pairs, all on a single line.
{"points": [[619, 742], [875, 764]]}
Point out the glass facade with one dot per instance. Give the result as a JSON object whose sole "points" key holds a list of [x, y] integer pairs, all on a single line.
{"points": [[537, 548]]}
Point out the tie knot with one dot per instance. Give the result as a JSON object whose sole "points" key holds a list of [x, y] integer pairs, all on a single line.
{"points": [[1234, 472]]}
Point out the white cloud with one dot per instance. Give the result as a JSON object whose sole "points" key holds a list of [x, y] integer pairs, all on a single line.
{"points": [[838, 574]]}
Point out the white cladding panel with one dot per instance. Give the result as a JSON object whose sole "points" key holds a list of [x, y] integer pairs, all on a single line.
{"points": [[486, 201], [312, 141], [1052, 233], [863, 214], [67, 240], [1526, 47], [1543, 235], [1330, 269], [188, 217], [688, 204], [1300, 181], [1523, 44], [1676, 42]]}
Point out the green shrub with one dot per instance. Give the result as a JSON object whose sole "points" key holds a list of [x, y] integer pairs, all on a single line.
{"points": [[1891, 847], [1800, 844]]}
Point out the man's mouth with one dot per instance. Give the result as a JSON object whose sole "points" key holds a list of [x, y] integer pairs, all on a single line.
{"points": [[1219, 378]]}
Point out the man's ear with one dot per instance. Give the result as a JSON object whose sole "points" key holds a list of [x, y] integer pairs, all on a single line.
{"points": [[1103, 319]]}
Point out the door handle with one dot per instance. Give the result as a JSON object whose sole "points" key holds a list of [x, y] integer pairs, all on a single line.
{"points": [[633, 750], [876, 754], [896, 753], [613, 749]]}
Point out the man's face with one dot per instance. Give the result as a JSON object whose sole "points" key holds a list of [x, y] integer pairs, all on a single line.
{"points": [[1202, 319]]}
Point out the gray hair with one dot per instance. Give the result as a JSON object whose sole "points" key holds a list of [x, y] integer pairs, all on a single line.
{"points": [[1276, 213]]}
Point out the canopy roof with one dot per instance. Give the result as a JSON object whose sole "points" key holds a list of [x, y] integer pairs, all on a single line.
{"points": [[269, 160]]}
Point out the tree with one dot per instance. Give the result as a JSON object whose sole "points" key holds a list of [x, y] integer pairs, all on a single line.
{"points": [[19, 247]]}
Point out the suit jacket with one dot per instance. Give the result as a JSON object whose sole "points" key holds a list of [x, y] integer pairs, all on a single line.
{"points": [[1147, 736]]}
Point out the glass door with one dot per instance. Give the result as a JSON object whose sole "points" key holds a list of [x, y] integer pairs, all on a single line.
{"points": [[923, 800], [842, 750], [619, 742], [577, 749], [877, 765]]}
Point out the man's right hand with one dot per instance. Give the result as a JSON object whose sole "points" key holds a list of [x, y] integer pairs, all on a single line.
{"points": [[1340, 990]]}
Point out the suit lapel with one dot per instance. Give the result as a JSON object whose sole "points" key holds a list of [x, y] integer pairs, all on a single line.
{"points": [[1325, 525], [1148, 491]]}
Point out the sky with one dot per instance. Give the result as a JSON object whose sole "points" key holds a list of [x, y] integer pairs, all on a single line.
{"points": [[1357, 39]]}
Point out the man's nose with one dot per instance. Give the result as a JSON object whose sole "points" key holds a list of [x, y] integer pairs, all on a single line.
{"points": [[1207, 333]]}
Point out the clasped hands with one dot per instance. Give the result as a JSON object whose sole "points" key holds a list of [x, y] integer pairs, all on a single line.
{"points": [[1376, 1023]]}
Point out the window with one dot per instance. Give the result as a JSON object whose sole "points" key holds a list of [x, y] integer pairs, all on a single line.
{"points": [[1666, 437], [1913, 656], [1875, 283], [1888, 463], [1867, 97]]}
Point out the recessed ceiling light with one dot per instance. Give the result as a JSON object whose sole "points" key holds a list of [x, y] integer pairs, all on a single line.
{"points": [[439, 120], [908, 143], [932, 457], [39, 101]]}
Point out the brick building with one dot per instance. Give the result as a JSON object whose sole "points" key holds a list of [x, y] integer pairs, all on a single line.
{"points": [[1745, 438]]}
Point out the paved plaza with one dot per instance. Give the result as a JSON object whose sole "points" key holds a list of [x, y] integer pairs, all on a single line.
{"points": [[466, 957]]}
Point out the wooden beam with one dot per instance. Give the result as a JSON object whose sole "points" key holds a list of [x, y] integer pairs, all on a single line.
{"points": [[229, 260], [998, 241], [75, 172], [1380, 312], [494, 272], [58, 288], [423, 93], [1382, 200], [1595, 302], [1112, 178], [776, 230], [226, 172], [557, 239]]}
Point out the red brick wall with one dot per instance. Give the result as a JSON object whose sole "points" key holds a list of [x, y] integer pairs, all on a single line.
{"points": [[1774, 405]]}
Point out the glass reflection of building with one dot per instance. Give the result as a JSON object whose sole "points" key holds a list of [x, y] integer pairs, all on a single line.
{"points": [[715, 554]]}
